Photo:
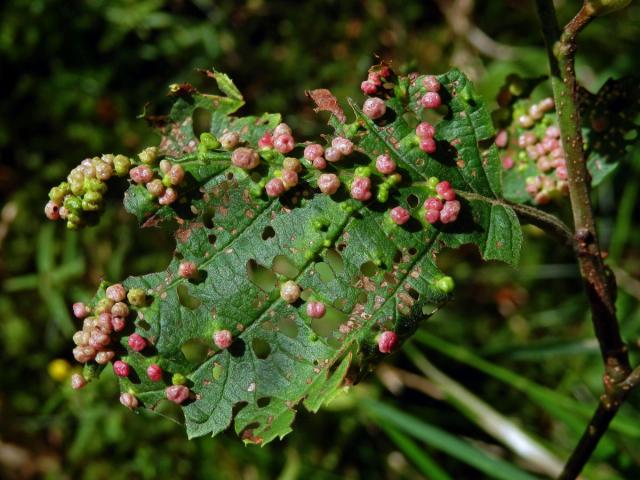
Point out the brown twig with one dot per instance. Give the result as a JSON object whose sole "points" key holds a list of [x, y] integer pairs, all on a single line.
{"points": [[561, 48]]}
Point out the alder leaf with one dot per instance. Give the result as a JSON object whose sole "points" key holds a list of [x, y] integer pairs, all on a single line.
{"points": [[610, 129], [371, 274]]}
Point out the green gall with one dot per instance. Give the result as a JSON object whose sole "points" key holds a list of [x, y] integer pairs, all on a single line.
{"points": [[94, 185], [103, 305], [121, 165], [136, 297], [445, 284], [178, 379], [148, 155], [383, 194], [72, 203], [362, 172], [432, 182], [93, 197], [209, 141]]}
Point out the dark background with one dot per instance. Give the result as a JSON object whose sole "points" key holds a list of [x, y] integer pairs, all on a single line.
{"points": [[73, 78]]}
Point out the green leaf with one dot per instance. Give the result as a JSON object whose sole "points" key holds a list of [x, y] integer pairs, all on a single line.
{"points": [[371, 274], [610, 129]]}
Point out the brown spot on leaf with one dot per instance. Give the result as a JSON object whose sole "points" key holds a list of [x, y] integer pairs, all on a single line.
{"points": [[326, 102]]}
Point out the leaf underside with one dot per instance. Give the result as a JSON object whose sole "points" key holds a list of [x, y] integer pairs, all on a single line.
{"points": [[610, 130], [371, 274]]}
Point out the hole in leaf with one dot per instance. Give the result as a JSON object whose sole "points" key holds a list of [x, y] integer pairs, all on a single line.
{"points": [[287, 325], [329, 323], [247, 433], [212, 238], [261, 348], [195, 350], [238, 406], [207, 218], [200, 277], [397, 257], [263, 402], [413, 200], [413, 293], [201, 121], [305, 294], [230, 176], [325, 272], [341, 246], [260, 276], [143, 324], [369, 269], [186, 299], [268, 233], [334, 259], [237, 348], [413, 251], [284, 266]]}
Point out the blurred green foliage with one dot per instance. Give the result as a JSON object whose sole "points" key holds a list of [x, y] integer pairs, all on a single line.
{"points": [[75, 75]]}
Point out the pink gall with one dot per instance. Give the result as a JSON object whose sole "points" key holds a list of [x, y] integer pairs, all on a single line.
{"points": [[343, 145], [313, 151], [316, 309], [116, 292], [129, 400], [399, 215], [374, 108], [449, 212], [284, 143], [431, 100], [368, 87], [387, 341], [385, 164], [177, 393], [223, 339], [328, 183], [187, 269], [120, 368], [80, 310], [52, 210], [245, 158], [428, 145], [154, 372], [136, 342], [77, 381], [431, 83], [275, 187]]}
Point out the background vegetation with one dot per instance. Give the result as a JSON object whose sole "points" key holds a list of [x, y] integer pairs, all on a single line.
{"points": [[514, 352]]}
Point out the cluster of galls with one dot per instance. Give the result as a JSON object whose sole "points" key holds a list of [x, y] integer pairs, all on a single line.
{"points": [[107, 318], [163, 188], [539, 143], [100, 327], [377, 83], [77, 199], [441, 206], [280, 139]]}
